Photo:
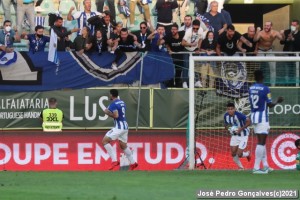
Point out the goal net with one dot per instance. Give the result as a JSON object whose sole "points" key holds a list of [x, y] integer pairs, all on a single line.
{"points": [[227, 79]]}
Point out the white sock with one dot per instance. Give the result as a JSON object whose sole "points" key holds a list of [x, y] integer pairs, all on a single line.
{"points": [[246, 154], [198, 161], [258, 156], [236, 159], [264, 158], [128, 154], [111, 152]]}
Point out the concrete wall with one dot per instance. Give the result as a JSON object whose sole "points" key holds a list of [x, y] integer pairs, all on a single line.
{"points": [[295, 14]]}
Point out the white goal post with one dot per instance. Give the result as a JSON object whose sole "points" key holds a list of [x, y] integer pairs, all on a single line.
{"points": [[193, 59]]}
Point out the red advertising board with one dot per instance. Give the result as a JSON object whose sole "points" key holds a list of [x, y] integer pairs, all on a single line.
{"points": [[153, 150]]}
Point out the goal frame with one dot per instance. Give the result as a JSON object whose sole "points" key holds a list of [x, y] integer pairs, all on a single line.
{"points": [[193, 59]]}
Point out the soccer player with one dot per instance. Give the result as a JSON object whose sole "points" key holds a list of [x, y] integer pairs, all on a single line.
{"points": [[239, 138], [260, 100], [116, 110]]}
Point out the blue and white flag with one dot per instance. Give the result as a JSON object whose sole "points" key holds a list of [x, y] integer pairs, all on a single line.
{"points": [[7, 58], [52, 54]]}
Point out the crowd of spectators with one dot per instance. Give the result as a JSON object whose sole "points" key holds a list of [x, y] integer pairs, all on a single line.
{"points": [[208, 32]]}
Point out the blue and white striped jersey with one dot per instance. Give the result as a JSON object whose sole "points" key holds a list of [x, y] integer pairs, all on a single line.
{"points": [[259, 97], [120, 106], [82, 20], [39, 20], [239, 120]]}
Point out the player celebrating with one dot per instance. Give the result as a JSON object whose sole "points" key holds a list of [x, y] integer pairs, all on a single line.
{"points": [[116, 110], [237, 125], [260, 100]]}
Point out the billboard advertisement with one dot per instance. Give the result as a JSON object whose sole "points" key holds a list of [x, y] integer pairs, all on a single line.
{"points": [[153, 150], [157, 108]]}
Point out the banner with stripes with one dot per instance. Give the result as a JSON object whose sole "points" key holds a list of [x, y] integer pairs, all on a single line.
{"points": [[33, 71]]}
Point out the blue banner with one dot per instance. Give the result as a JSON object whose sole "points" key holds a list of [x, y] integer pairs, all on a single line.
{"points": [[33, 71]]}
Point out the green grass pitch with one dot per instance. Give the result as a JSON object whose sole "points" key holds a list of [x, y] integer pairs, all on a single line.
{"points": [[135, 185]]}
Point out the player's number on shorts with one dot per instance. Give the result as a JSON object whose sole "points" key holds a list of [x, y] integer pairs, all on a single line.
{"points": [[254, 99]]}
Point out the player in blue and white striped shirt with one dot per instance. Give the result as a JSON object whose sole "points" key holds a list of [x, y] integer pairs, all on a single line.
{"points": [[239, 137], [116, 110], [260, 100]]}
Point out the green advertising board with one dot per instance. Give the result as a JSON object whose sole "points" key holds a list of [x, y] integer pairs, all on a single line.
{"points": [[158, 108]]}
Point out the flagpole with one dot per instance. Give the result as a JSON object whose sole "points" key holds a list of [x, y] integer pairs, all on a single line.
{"points": [[139, 96]]}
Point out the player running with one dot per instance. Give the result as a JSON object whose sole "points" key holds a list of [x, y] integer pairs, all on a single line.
{"points": [[260, 100], [239, 136], [116, 110]]}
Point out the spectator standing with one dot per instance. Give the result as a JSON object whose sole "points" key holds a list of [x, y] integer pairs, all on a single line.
{"points": [[25, 7], [173, 44], [181, 10], [99, 42], [291, 43], [37, 41], [200, 6], [165, 13], [291, 40], [82, 17], [142, 35], [227, 42], [251, 51], [155, 38], [107, 27], [191, 41], [145, 6], [7, 35], [125, 43], [221, 10], [216, 19], [265, 39], [208, 47], [62, 33], [83, 42], [187, 24], [193, 37], [111, 6], [114, 36], [6, 4], [123, 8]]}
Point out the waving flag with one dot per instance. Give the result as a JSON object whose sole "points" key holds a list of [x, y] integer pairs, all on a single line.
{"points": [[52, 54], [7, 58]]}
